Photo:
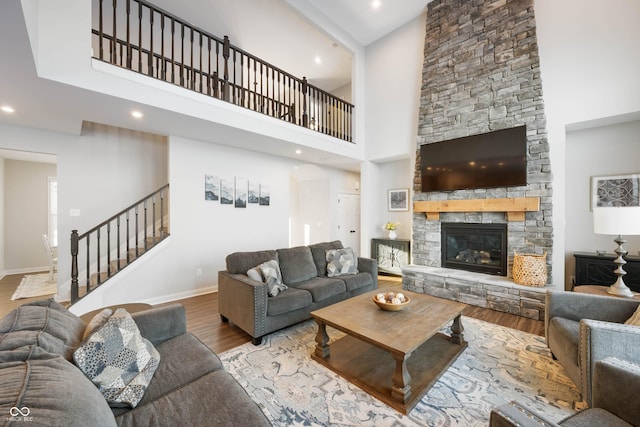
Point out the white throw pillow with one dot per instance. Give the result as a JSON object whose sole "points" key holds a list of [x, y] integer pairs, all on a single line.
{"points": [[255, 274]]}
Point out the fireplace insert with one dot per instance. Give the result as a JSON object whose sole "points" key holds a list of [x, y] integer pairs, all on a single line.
{"points": [[475, 247]]}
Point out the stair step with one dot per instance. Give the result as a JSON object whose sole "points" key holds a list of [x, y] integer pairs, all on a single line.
{"points": [[119, 264]]}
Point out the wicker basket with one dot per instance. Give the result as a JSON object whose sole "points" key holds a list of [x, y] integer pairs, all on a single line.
{"points": [[530, 269]]}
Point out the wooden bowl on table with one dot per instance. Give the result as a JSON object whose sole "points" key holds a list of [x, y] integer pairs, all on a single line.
{"points": [[389, 306]]}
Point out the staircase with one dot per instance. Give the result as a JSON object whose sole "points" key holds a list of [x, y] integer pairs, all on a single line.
{"points": [[118, 242]]}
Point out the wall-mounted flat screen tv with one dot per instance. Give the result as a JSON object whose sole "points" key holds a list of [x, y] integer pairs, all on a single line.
{"points": [[489, 160]]}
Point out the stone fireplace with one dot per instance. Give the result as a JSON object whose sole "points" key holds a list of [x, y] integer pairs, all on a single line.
{"points": [[481, 73], [475, 247]]}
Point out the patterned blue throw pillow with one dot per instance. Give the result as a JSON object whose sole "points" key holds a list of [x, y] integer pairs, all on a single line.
{"points": [[118, 360], [341, 262]]}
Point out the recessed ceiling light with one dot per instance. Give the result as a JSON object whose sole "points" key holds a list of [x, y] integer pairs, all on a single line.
{"points": [[318, 60], [7, 109], [375, 4], [298, 151], [137, 114]]}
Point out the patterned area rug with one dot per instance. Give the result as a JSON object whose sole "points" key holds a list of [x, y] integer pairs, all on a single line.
{"points": [[35, 285], [499, 365]]}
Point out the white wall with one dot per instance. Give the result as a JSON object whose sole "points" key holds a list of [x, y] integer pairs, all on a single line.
{"points": [[602, 151], [393, 83], [589, 61], [316, 190], [204, 232], [26, 216], [391, 176], [2, 228], [100, 172]]}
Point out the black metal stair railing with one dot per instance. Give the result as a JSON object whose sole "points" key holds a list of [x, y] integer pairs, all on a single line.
{"points": [[143, 38], [114, 244]]}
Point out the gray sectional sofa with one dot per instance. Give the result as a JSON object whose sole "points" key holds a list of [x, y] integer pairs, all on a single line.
{"points": [[40, 385], [246, 303]]}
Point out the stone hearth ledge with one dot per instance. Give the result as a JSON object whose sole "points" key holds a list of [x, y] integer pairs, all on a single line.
{"points": [[495, 292]]}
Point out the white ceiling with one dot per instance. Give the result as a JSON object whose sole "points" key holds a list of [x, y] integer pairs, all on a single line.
{"points": [[365, 23], [270, 29]]}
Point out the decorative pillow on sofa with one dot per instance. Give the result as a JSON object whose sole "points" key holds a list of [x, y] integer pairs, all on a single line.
{"points": [[96, 322], [255, 274], [118, 360], [634, 319], [272, 277], [341, 262]]}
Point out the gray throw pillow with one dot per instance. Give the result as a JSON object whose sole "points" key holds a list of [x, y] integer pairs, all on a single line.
{"points": [[118, 360], [272, 277], [341, 262]]}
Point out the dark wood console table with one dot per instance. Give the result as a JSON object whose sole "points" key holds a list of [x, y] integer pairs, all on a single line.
{"points": [[594, 269]]}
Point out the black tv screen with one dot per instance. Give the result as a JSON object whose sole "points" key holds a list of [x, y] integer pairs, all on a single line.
{"points": [[489, 160]]}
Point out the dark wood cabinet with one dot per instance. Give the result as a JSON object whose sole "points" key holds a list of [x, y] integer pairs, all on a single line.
{"points": [[391, 255], [594, 269]]}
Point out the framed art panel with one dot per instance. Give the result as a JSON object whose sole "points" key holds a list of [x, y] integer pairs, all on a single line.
{"points": [[254, 192], [226, 191], [242, 185], [211, 187], [265, 195], [399, 200], [615, 191]]}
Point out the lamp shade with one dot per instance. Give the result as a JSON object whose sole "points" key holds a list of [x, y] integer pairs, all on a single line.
{"points": [[616, 221]]}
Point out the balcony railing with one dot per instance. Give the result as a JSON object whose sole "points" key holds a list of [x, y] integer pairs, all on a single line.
{"points": [[141, 37]]}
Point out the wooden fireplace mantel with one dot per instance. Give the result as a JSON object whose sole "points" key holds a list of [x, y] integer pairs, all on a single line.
{"points": [[515, 208]]}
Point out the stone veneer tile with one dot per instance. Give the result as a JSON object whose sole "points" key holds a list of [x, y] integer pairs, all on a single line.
{"points": [[474, 82], [483, 290]]}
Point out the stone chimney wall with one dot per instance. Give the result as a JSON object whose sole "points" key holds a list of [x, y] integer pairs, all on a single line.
{"points": [[482, 73]]}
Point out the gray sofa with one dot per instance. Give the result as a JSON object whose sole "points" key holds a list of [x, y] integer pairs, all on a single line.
{"points": [[40, 384], [615, 402], [246, 303], [582, 329]]}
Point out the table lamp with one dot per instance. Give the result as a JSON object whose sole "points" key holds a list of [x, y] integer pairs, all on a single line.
{"points": [[618, 221]]}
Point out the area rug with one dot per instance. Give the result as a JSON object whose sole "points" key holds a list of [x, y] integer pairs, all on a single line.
{"points": [[499, 365], [35, 285]]}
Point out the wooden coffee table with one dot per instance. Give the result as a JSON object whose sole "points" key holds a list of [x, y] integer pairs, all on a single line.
{"points": [[394, 356]]}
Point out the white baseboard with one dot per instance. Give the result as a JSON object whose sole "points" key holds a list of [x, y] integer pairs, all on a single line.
{"points": [[181, 295], [28, 270]]}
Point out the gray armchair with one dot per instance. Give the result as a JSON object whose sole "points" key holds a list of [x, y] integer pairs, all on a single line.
{"points": [[615, 402], [582, 329]]}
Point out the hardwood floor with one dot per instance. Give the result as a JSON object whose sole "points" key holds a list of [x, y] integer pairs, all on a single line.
{"points": [[203, 319], [8, 286]]}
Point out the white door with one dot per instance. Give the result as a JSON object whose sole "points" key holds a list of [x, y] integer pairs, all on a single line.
{"points": [[349, 221]]}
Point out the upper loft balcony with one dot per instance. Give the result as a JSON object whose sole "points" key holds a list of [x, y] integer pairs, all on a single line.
{"points": [[137, 36]]}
